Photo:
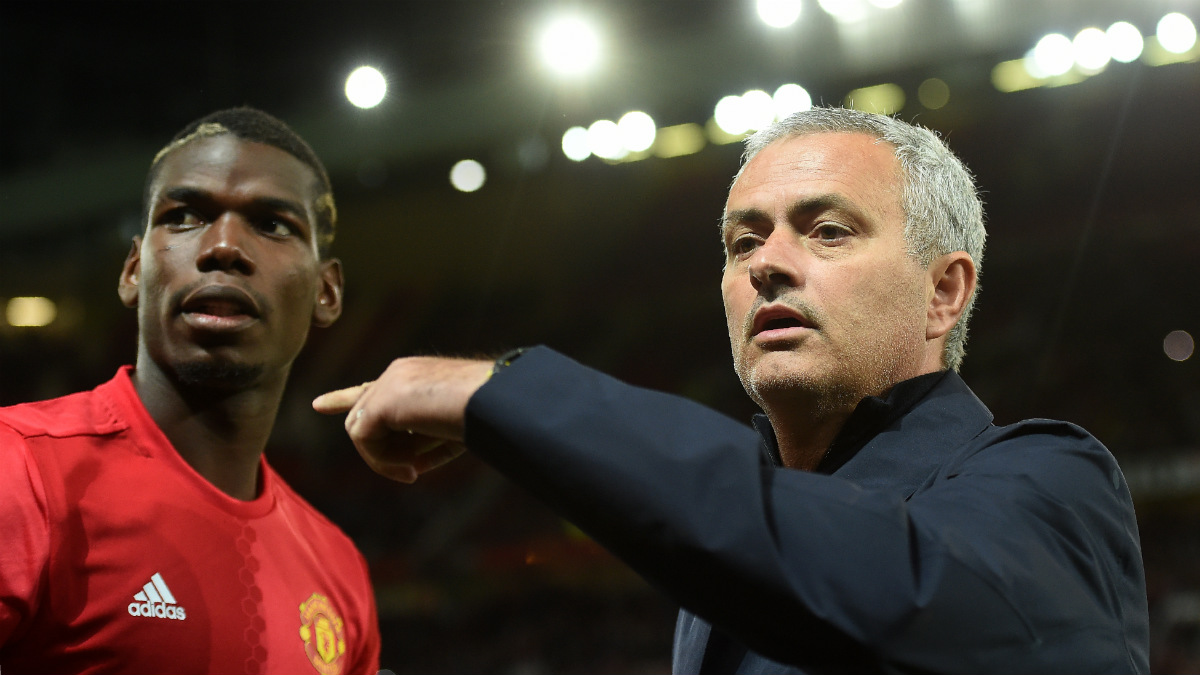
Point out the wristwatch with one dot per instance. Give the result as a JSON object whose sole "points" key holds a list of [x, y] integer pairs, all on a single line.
{"points": [[506, 359]]}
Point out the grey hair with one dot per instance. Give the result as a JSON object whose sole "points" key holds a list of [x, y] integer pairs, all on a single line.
{"points": [[942, 208]]}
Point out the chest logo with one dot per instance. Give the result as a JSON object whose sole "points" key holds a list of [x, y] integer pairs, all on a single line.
{"points": [[324, 634], [156, 601]]}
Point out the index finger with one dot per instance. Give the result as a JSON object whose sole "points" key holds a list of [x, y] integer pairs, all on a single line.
{"points": [[339, 401]]}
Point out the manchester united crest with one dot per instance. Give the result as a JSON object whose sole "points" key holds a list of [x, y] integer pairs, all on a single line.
{"points": [[324, 634]]}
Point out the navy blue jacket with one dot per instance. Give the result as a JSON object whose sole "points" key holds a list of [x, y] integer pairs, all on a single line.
{"points": [[942, 544]]}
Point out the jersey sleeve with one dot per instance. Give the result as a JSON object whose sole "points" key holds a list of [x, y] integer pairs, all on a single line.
{"points": [[26, 534], [369, 647]]}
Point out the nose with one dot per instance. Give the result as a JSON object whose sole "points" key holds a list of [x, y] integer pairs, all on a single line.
{"points": [[773, 264], [225, 246]]}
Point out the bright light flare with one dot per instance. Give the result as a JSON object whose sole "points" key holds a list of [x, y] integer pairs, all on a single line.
{"points": [[636, 130], [845, 11], [751, 111], [575, 144], [790, 99], [1124, 41], [467, 175], [570, 46], [778, 13], [759, 108], [1051, 56], [729, 116], [30, 312], [365, 87], [1091, 50], [1176, 33], [604, 140]]}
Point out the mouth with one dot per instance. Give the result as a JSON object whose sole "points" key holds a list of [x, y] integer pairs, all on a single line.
{"points": [[778, 321], [218, 307]]}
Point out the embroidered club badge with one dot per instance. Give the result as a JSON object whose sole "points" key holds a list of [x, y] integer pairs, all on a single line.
{"points": [[323, 633]]}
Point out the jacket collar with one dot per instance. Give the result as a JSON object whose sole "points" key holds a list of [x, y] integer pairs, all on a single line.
{"points": [[896, 442]]}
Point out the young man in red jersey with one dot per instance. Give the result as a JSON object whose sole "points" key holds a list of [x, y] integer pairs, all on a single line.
{"points": [[144, 530]]}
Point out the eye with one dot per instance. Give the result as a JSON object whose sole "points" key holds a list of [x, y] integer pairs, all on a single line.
{"points": [[744, 244], [277, 227], [182, 219], [830, 232]]}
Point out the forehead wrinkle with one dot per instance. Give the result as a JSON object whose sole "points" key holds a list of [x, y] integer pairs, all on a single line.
{"points": [[805, 175]]}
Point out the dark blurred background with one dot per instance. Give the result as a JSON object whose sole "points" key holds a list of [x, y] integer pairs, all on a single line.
{"points": [[1090, 181]]}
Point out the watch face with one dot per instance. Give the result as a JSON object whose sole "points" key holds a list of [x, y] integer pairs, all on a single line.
{"points": [[506, 359]]}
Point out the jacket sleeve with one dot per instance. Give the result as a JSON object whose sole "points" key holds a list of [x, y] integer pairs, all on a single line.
{"points": [[985, 570], [24, 533]]}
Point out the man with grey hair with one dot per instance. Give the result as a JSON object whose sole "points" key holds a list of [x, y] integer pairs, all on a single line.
{"points": [[874, 520]]}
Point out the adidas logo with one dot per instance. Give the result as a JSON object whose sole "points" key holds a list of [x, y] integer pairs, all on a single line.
{"points": [[155, 600]]}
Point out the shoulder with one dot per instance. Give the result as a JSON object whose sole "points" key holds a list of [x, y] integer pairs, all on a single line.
{"points": [[1056, 459], [953, 406], [1043, 439], [87, 413]]}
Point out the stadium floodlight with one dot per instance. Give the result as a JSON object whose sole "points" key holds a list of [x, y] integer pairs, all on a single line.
{"points": [[366, 87], [1052, 56], [575, 144], [759, 109], [790, 99], [778, 13], [1091, 50], [636, 130], [570, 45], [604, 140], [467, 175], [1125, 42], [844, 11], [1176, 33]]}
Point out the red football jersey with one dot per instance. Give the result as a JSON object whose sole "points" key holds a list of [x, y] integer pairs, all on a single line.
{"points": [[119, 558]]}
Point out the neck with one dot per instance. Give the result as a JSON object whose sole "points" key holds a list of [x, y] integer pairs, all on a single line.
{"points": [[220, 433], [805, 429]]}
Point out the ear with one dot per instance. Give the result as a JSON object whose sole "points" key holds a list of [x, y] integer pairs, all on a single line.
{"points": [[328, 307], [952, 283], [131, 274]]}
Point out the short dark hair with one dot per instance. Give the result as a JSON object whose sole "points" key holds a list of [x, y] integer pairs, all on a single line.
{"points": [[251, 124]]}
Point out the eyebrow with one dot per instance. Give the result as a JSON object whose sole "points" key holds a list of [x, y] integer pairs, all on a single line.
{"points": [[802, 208], [274, 204]]}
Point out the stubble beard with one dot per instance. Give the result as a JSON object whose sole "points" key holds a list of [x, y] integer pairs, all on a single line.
{"points": [[218, 374], [863, 362], [833, 387], [817, 396]]}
